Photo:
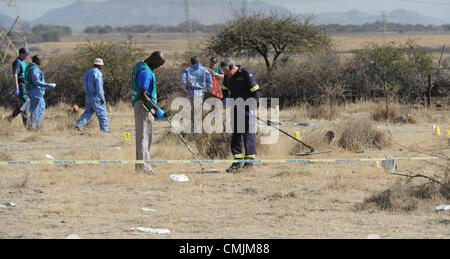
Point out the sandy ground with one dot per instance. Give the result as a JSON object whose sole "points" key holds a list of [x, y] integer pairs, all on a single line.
{"points": [[273, 201]]}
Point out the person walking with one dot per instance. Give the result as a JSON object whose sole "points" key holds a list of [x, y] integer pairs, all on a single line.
{"points": [[35, 85], [144, 98], [18, 68], [95, 97]]}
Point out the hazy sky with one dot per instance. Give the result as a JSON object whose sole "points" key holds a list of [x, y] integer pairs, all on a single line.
{"points": [[32, 9]]}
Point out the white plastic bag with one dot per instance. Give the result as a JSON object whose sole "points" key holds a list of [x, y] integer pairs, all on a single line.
{"points": [[7, 205], [179, 178], [25, 106], [443, 208], [49, 157], [152, 230], [73, 237], [148, 210]]}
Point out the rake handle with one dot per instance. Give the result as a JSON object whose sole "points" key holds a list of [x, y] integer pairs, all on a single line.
{"points": [[312, 149]]}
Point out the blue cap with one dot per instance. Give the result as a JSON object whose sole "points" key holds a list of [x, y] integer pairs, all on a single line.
{"points": [[24, 51]]}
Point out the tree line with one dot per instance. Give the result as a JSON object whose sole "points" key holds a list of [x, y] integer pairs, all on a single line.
{"points": [[329, 28]]}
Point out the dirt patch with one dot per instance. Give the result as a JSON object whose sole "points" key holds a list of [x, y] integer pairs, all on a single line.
{"points": [[280, 196]]}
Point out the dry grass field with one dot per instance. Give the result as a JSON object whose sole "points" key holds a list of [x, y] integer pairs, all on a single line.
{"points": [[177, 43], [272, 201], [324, 200]]}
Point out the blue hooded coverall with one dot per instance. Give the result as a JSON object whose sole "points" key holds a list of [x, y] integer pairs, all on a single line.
{"points": [[95, 99], [35, 85], [198, 79]]}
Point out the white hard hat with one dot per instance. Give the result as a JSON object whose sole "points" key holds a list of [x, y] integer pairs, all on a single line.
{"points": [[99, 62]]}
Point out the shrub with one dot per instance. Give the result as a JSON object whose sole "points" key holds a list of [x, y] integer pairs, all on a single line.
{"points": [[358, 135], [47, 33], [391, 70], [316, 80], [405, 197], [393, 114]]}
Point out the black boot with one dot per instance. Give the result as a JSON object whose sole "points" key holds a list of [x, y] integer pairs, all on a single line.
{"points": [[235, 168], [248, 165]]}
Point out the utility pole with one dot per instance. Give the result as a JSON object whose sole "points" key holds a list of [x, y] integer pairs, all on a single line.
{"points": [[188, 23], [244, 7], [384, 27]]}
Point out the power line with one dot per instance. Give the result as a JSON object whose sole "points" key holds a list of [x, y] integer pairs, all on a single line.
{"points": [[188, 23], [244, 7]]}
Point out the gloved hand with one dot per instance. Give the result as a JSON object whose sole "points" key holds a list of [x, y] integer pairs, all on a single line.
{"points": [[16, 93], [25, 97], [168, 114], [160, 114], [52, 85]]}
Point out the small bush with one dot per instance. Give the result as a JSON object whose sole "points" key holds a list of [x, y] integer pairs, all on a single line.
{"points": [[403, 197], [315, 80], [316, 139], [212, 146], [399, 70], [391, 114], [358, 135]]}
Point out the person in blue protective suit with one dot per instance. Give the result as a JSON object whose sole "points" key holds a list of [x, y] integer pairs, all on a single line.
{"points": [[95, 97], [197, 79], [18, 68], [35, 85]]}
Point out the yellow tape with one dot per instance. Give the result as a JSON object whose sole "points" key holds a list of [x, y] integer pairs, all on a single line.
{"points": [[166, 162]]}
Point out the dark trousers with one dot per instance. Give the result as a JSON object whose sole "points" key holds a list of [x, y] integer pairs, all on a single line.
{"points": [[17, 111], [243, 136]]}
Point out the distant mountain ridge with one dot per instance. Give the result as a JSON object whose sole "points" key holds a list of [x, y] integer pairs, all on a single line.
{"points": [[80, 14], [6, 21], [396, 16]]}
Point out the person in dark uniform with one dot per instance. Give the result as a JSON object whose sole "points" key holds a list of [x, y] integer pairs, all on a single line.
{"points": [[240, 86], [18, 68]]}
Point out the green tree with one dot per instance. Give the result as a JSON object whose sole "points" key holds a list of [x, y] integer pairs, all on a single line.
{"points": [[268, 36]]}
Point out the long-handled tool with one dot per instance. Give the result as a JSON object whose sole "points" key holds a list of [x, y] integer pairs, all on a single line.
{"points": [[204, 170], [312, 149]]}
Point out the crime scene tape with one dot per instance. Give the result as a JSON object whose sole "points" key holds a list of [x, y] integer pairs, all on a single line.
{"points": [[168, 162]]}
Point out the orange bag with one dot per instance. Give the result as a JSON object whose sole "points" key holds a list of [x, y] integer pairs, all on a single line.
{"points": [[216, 88]]}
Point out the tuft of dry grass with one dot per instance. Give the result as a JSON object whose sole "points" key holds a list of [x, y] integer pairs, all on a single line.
{"points": [[358, 135], [405, 197], [329, 112], [395, 114], [212, 146], [316, 139], [5, 157], [7, 129], [35, 137]]}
